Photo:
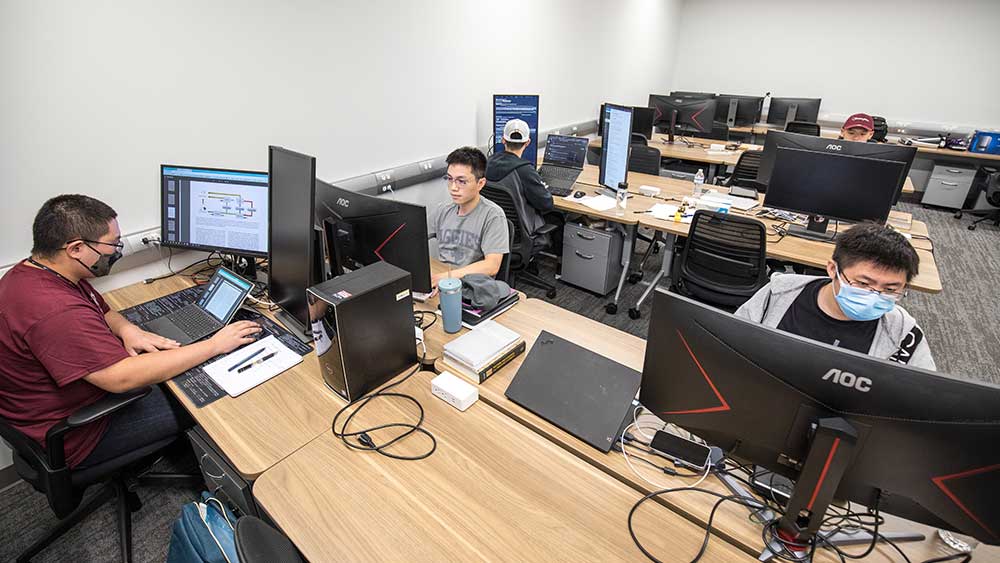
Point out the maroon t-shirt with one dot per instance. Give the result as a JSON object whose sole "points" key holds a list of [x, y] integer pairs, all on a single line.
{"points": [[52, 334]]}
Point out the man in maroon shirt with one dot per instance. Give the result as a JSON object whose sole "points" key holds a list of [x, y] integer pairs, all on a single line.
{"points": [[62, 348]]}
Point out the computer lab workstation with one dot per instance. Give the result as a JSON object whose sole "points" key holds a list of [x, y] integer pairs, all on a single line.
{"points": [[686, 334]]}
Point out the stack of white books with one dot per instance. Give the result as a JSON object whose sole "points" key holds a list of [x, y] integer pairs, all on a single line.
{"points": [[482, 351]]}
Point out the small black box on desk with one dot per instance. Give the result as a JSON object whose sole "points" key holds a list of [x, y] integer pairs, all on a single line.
{"points": [[362, 325]]}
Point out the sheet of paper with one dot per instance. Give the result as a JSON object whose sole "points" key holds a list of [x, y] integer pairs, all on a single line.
{"points": [[235, 382], [744, 203], [663, 211], [599, 202]]}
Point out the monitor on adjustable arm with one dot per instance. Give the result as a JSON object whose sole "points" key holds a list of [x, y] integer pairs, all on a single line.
{"points": [[843, 425], [734, 110], [643, 119], [359, 230], [777, 139], [782, 111], [616, 146], [215, 210], [683, 114], [292, 236], [831, 186]]}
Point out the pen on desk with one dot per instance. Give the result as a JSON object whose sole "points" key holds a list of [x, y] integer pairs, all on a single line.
{"points": [[262, 360], [246, 359]]}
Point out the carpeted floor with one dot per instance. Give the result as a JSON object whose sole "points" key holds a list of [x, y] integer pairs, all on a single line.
{"points": [[962, 325]]}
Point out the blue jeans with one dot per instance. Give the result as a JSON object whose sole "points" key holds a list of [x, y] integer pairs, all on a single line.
{"points": [[153, 418]]}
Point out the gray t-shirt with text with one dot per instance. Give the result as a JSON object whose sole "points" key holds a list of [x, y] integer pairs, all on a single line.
{"points": [[463, 240]]}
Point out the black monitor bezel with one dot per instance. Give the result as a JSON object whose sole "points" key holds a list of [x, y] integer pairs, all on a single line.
{"points": [[604, 153], [206, 248]]}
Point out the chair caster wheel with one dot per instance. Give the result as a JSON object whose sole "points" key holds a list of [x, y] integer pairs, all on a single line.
{"points": [[551, 294], [611, 308], [958, 214], [633, 313], [634, 277], [972, 227]]}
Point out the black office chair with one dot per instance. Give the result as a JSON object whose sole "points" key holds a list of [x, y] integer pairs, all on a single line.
{"points": [[718, 132], [723, 262], [594, 155], [644, 159], [503, 274], [524, 248], [881, 129], [639, 139], [45, 469], [745, 172], [257, 542], [991, 185], [804, 127]]}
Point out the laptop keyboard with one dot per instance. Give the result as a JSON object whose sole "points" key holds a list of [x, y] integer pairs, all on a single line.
{"points": [[561, 173], [194, 321]]}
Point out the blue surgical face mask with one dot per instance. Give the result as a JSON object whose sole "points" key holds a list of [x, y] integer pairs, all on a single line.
{"points": [[861, 304]]}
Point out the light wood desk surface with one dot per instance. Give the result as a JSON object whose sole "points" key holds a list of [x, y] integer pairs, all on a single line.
{"points": [[270, 421], [681, 150], [493, 491], [793, 249], [731, 520]]}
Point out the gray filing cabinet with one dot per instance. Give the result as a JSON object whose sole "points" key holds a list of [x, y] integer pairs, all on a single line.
{"points": [[949, 185], [221, 478], [591, 258]]}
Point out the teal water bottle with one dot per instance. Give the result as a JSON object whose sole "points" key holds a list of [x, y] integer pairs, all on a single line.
{"points": [[450, 290]]}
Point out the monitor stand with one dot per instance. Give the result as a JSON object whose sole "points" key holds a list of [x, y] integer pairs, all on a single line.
{"points": [[815, 230], [293, 326], [241, 265], [790, 114], [731, 117], [673, 124]]}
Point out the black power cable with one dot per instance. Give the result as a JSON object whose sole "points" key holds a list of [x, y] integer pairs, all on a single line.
{"points": [[362, 439]]}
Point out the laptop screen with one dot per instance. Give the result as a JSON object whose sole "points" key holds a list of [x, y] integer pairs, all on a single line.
{"points": [[565, 150], [224, 294]]}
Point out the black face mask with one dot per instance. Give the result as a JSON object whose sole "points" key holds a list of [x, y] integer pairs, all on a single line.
{"points": [[103, 265]]}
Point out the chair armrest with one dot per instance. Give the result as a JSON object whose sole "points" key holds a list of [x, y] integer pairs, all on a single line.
{"points": [[85, 415], [755, 184], [546, 229]]}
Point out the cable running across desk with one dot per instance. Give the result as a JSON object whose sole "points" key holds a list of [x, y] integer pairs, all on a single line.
{"points": [[362, 438]]}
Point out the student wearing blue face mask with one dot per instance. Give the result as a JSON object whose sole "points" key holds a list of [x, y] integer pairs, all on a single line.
{"points": [[857, 306]]}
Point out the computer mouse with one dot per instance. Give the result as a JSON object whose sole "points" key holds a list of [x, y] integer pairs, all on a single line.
{"points": [[578, 195]]}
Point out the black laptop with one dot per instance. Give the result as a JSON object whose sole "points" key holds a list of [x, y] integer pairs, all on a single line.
{"points": [[579, 391], [563, 163], [213, 310]]}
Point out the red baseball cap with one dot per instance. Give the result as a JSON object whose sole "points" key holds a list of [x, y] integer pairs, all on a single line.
{"points": [[862, 120]]}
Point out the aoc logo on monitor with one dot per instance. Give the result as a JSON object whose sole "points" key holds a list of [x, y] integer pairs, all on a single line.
{"points": [[343, 202], [849, 380], [833, 147]]}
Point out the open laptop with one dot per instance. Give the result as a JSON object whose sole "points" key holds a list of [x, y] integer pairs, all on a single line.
{"points": [[563, 163], [213, 310]]}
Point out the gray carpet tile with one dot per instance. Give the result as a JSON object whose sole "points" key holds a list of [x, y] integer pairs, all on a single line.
{"points": [[962, 323]]}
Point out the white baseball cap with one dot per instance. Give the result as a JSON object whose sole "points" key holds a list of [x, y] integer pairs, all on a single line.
{"points": [[516, 131]]}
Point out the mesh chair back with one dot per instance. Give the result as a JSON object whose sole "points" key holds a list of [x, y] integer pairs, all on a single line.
{"points": [[804, 127], [520, 241], [724, 259], [639, 139], [644, 159], [747, 166]]}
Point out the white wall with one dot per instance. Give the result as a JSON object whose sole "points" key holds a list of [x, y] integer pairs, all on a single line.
{"points": [[95, 95], [918, 61]]}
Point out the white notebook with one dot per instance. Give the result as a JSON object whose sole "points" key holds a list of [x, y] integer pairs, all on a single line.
{"points": [[235, 382], [481, 344]]}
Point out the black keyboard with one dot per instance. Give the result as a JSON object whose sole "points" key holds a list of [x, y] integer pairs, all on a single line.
{"points": [[194, 321], [559, 173]]}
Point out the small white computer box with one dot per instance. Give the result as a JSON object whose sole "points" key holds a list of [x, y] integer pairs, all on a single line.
{"points": [[454, 391], [649, 191]]}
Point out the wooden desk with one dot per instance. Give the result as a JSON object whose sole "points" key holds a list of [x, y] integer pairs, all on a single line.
{"points": [[683, 151], [270, 421], [493, 491], [731, 521]]}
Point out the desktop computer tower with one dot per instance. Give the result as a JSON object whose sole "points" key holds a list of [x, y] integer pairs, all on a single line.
{"points": [[362, 326]]}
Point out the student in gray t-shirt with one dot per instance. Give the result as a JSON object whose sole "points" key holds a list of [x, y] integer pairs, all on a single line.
{"points": [[471, 230]]}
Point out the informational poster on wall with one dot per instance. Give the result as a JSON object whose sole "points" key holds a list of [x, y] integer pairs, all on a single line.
{"points": [[516, 106]]}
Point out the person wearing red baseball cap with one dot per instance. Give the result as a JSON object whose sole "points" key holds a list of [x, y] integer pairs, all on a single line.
{"points": [[859, 127]]}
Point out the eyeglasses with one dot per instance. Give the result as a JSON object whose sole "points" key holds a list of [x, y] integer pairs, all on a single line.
{"points": [[895, 295], [119, 246], [461, 181]]}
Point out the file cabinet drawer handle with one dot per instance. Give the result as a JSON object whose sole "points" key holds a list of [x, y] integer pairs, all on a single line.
{"points": [[584, 237], [209, 473], [584, 256], [954, 170], [952, 184]]}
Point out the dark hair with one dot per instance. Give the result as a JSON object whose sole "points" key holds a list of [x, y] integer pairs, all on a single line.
{"points": [[69, 217], [470, 156], [515, 145], [871, 242]]}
